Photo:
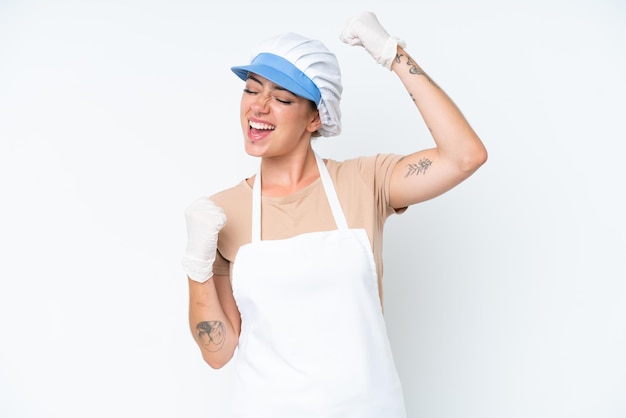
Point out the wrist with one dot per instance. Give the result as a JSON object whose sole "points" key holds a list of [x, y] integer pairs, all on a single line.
{"points": [[391, 51], [197, 270]]}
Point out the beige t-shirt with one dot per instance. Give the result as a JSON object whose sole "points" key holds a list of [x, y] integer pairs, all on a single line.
{"points": [[362, 186]]}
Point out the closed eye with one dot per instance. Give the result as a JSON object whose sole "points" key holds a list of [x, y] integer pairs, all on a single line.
{"points": [[279, 100], [287, 102]]}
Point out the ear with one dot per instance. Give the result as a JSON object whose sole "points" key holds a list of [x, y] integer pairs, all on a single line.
{"points": [[315, 123]]}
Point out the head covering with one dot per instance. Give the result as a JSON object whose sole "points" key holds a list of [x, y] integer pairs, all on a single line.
{"points": [[306, 68]]}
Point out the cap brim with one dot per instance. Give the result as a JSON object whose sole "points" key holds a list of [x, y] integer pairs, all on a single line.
{"points": [[275, 76], [282, 72]]}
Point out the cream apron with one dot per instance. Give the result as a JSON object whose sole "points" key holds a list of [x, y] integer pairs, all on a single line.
{"points": [[313, 339]]}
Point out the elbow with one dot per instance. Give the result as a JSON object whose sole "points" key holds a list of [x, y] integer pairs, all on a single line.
{"points": [[219, 355], [481, 157], [216, 362], [473, 160], [216, 365]]}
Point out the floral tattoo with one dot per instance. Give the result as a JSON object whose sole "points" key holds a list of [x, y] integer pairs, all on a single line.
{"points": [[420, 167]]}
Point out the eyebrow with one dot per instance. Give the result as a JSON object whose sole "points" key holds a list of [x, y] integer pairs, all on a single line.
{"points": [[276, 86]]}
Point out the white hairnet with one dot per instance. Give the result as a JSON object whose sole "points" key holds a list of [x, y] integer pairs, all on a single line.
{"points": [[310, 57]]}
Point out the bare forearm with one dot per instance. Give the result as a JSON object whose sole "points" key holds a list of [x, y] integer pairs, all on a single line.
{"points": [[454, 137], [214, 331]]}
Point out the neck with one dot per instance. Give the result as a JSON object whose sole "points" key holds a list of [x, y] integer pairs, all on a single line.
{"points": [[282, 176]]}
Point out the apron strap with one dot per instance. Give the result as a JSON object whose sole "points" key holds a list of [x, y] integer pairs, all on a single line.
{"points": [[331, 195], [329, 189], [256, 207]]}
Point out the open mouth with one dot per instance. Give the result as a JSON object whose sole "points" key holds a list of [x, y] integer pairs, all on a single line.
{"points": [[259, 130], [261, 126]]}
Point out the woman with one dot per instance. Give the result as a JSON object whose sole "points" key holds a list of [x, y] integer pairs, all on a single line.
{"points": [[291, 290]]}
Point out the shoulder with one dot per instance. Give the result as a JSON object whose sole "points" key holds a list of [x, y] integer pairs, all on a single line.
{"points": [[233, 197], [236, 202], [366, 178], [368, 161], [367, 167]]}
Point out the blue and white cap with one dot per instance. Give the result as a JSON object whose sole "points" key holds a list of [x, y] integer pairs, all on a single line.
{"points": [[306, 68]]}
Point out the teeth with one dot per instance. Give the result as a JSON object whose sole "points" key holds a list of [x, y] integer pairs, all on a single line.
{"points": [[257, 125]]}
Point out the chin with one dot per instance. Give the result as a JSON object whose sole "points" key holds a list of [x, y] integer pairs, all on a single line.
{"points": [[252, 149]]}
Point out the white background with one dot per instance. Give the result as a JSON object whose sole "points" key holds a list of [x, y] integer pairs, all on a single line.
{"points": [[505, 297]]}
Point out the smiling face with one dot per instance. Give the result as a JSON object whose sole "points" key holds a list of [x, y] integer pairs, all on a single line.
{"points": [[274, 121]]}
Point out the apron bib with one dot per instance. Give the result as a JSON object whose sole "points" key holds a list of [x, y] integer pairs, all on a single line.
{"points": [[313, 339]]}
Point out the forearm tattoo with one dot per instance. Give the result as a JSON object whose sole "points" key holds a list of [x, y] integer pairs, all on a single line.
{"points": [[414, 68], [420, 167], [211, 334]]}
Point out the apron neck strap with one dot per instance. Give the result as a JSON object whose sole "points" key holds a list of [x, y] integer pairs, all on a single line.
{"points": [[329, 189]]}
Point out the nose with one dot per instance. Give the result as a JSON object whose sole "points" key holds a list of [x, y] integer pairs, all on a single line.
{"points": [[261, 103]]}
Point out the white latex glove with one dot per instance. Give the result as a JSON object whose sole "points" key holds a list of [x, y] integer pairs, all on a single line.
{"points": [[204, 221], [365, 30]]}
